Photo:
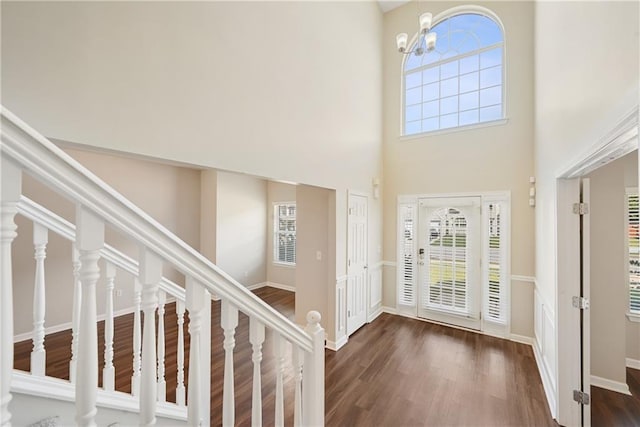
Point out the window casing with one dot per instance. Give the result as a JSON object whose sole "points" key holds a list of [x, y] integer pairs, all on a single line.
{"points": [[284, 239], [461, 82]]}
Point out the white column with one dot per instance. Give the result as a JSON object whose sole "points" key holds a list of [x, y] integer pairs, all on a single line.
{"points": [[162, 384], [38, 354], [278, 353], [195, 301], [229, 322], [180, 391], [313, 374], [11, 188], [137, 341], [298, 363], [256, 337], [109, 372], [75, 316], [90, 239], [150, 275]]}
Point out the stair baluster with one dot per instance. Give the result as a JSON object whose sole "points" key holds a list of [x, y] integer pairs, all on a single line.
{"points": [[162, 384], [180, 391], [150, 275], [38, 354], [108, 372], [279, 344], [137, 341], [195, 300], [229, 322], [75, 316], [90, 239], [256, 337]]}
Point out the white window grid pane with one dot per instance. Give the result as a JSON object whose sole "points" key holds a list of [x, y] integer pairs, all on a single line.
{"points": [[437, 67]]}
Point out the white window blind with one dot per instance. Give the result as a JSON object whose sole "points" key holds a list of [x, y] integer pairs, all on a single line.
{"points": [[285, 233], [447, 258], [633, 228], [495, 267], [407, 235]]}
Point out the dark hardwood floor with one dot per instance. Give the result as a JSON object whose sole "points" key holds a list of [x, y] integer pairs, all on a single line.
{"points": [[393, 372], [616, 409]]}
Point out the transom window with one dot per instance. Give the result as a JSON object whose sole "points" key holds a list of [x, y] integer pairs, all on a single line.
{"points": [[284, 224], [461, 81]]}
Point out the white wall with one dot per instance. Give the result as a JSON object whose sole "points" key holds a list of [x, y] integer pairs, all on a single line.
{"points": [[494, 158], [278, 192], [583, 85], [609, 268], [165, 192], [241, 227]]}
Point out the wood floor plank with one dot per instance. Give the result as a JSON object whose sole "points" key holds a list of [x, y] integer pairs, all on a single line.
{"points": [[393, 372]]}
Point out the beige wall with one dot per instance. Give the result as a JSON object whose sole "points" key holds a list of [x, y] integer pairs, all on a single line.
{"points": [[170, 194], [494, 158], [315, 254], [278, 192], [208, 212], [191, 82], [241, 227], [609, 272]]}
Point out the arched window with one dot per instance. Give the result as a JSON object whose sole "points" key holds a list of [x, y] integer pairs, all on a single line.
{"points": [[461, 81]]}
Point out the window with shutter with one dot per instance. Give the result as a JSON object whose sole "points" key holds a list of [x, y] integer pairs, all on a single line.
{"points": [[633, 243], [495, 266], [284, 240], [407, 252]]}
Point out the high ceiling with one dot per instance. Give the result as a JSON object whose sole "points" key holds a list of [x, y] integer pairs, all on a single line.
{"points": [[387, 5]]}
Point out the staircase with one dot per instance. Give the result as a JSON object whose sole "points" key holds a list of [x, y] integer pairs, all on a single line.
{"points": [[24, 150]]}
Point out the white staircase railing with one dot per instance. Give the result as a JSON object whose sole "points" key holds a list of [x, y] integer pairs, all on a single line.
{"points": [[25, 150]]}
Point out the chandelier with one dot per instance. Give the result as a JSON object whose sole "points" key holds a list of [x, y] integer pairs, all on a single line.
{"points": [[426, 39]]}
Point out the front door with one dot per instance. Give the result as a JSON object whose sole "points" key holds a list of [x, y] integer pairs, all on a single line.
{"points": [[449, 260]]}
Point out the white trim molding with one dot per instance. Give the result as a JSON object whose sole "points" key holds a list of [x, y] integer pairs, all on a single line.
{"points": [[519, 278], [633, 317], [373, 316], [522, 339], [611, 385], [281, 286], [545, 376], [633, 363], [337, 345]]}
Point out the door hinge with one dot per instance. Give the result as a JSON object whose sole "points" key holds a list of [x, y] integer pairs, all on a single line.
{"points": [[580, 302], [580, 208], [581, 397]]}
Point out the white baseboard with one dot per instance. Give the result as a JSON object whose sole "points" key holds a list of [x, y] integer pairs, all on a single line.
{"points": [[389, 310], [281, 286], [68, 325], [610, 385], [522, 339], [337, 345], [546, 379], [373, 316], [633, 363], [272, 285]]}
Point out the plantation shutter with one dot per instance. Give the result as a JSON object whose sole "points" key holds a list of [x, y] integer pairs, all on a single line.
{"points": [[495, 270], [633, 228], [407, 235]]}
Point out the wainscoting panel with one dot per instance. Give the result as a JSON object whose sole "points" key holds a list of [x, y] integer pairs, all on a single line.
{"points": [[375, 291], [544, 347]]}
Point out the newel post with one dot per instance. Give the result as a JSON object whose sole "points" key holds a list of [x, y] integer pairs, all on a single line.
{"points": [[11, 190], [313, 374]]}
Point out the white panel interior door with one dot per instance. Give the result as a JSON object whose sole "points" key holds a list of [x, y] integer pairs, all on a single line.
{"points": [[449, 260], [357, 263]]}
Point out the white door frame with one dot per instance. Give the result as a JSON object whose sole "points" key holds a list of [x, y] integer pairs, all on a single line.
{"points": [[620, 141]]}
